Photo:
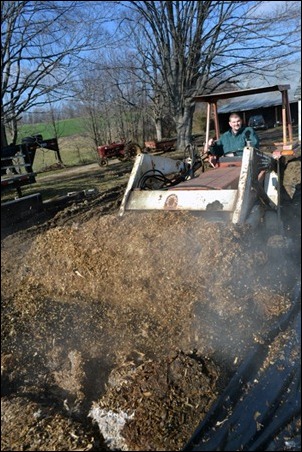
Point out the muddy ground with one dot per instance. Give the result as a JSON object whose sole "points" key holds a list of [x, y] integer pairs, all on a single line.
{"points": [[119, 333]]}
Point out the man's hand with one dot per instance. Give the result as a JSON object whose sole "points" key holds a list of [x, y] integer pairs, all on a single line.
{"points": [[213, 161]]}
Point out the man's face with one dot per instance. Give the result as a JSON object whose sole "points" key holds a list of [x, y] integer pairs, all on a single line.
{"points": [[235, 124]]}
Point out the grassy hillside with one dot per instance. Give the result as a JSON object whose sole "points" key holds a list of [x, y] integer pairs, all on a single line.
{"points": [[66, 128]]}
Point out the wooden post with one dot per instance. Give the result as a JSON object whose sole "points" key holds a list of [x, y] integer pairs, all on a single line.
{"points": [[289, 118], [207, 126], [217, 131], [284, 118]]}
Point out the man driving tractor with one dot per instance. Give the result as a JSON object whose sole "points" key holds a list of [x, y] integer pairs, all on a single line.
{"points": [[232, 142]]}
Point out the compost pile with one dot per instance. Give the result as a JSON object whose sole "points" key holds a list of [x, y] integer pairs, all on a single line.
{"points": [[119, 333]]}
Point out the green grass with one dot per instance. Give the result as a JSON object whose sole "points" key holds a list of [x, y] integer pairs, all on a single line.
{"points": [[65, 127]]}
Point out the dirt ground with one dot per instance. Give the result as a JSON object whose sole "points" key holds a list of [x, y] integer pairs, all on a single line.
{"points": [[119, 333]]}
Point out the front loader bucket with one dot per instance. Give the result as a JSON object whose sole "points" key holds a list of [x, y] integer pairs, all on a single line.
{"points": [[230, 191]]}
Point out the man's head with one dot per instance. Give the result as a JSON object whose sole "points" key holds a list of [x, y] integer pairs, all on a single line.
{"points": [[235, 122]]}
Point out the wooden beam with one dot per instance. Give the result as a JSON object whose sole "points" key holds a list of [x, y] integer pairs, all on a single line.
{"points": [[245, 92]]}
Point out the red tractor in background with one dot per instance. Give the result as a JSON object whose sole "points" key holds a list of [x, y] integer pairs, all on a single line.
{"points": [[125, 150]]}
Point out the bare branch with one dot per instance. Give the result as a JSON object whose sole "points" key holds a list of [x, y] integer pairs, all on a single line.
{"points": [[42, 44]]}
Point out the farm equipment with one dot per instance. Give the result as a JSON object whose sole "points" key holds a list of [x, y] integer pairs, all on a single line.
{"points": [[122, 151], [243, 188], [17, 161], [162, 146]]}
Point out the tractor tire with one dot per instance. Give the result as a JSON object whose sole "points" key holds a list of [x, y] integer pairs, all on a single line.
{"points": [[102, 161], [132, 150]]}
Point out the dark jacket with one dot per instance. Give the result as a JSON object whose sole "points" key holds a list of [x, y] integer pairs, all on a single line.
{"points": [[229, 142]]}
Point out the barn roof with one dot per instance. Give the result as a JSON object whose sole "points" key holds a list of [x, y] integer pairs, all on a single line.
{"points": [[253, 102]]}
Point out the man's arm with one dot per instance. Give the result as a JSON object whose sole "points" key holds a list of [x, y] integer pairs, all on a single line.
{"points": [[254, 139], [215, 147]]}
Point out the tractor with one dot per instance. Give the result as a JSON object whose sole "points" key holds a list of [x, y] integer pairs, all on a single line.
{"points": [[123, 151], [242, 189]]}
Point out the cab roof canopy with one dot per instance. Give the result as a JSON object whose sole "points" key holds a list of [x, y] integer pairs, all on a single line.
{"points": [[213, 98]]}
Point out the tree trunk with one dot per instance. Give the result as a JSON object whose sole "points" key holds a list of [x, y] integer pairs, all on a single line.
{"points": [[3, 136], [59, 158], [184, 124], [159, 129]]}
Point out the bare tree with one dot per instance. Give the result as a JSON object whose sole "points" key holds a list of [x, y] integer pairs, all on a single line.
{"points": [[193, 47], [112, 97], [93, 95], [41, 46], [55, 126]]}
